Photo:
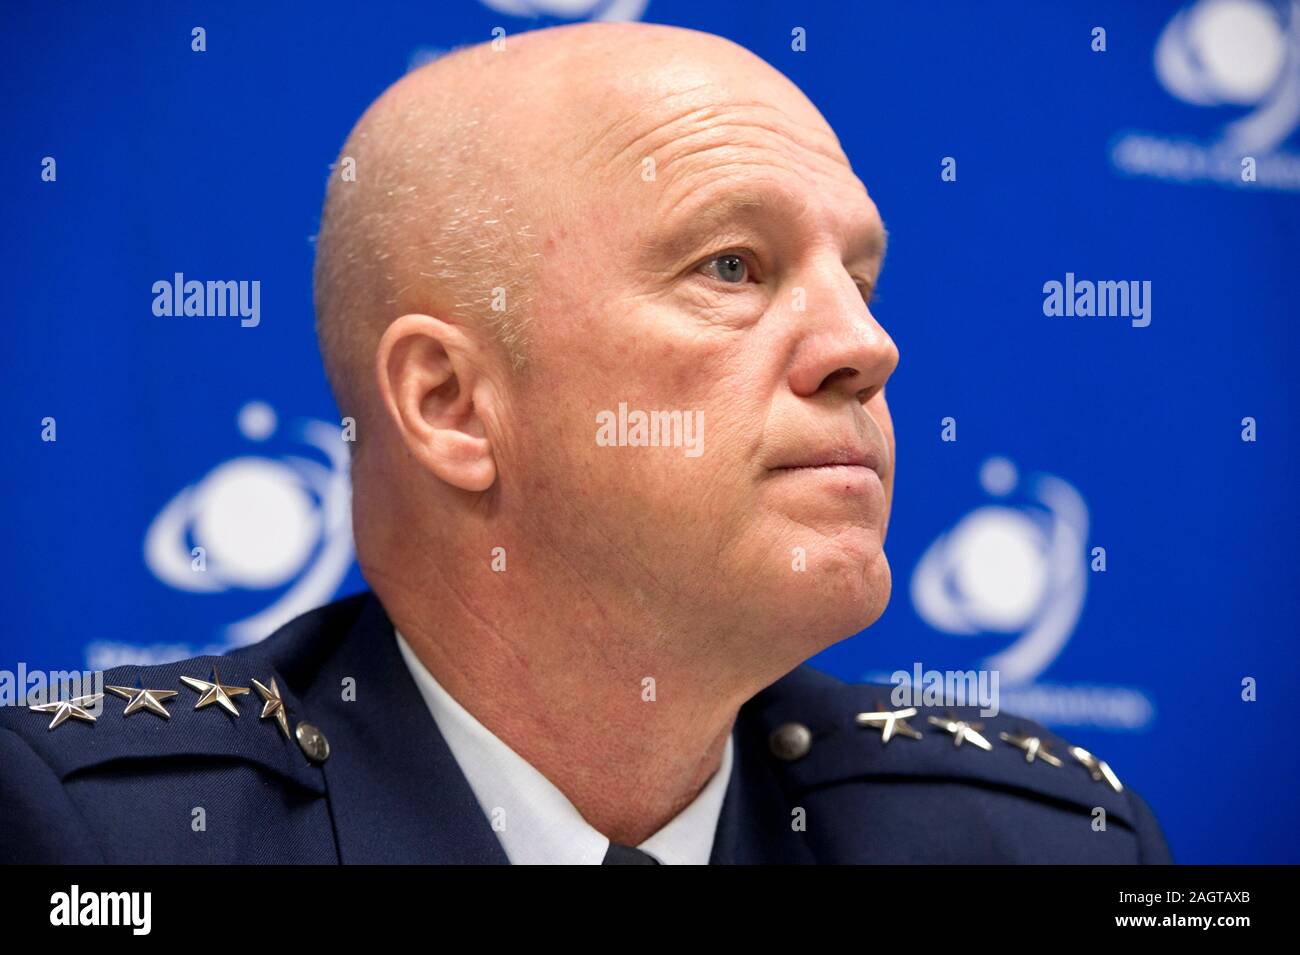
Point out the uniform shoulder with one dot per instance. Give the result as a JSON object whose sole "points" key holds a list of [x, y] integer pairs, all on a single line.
{"points": [[239, 705], [824, 730]]}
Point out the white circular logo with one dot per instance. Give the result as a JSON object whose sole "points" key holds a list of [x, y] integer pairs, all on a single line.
{"points": [[257, 523], [571, 9], [1012, 567], [1237, 53]]}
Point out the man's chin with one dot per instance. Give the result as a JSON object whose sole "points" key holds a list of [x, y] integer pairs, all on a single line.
{"points": [[825, 607], [859, 599]]}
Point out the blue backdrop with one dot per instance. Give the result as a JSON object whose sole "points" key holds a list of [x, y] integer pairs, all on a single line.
{"points": [[1072, 433]]}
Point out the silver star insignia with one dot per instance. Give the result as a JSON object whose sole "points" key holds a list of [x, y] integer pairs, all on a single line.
{"points": [[65, 709], [151, 700], [1033, 746], [961, 731], [1096, 768], [274, 705], [215, 692], [890, 722]]}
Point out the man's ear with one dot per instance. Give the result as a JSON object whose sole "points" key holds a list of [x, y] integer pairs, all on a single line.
{"points": [[428, 378]]}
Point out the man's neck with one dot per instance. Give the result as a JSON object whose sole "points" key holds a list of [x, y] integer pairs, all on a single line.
{"points": [[625, 729]]}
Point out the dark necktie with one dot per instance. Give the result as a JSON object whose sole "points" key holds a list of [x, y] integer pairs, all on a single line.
{"points": [[627, 855]]}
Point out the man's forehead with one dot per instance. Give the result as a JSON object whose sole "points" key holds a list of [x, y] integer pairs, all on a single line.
{"points": [[704, 156], [669, 115], [668, 143]]}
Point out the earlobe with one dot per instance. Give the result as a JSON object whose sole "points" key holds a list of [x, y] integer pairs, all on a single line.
{"points": [[428, 380], [463, 461]]}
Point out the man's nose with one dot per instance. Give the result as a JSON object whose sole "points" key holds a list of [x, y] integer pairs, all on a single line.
{"points": [[841, 346]]}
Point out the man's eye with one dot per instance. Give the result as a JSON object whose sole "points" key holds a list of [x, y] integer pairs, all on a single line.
{"points": [[729, 268]]}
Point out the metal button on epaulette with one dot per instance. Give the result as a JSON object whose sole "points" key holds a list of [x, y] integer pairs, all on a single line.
{"points": [[313, 742], [790, 741]]}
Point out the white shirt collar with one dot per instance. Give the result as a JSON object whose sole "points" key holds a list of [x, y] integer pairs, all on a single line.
{"points": [[534, 821]]}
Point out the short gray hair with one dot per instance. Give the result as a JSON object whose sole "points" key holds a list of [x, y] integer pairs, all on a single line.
{"points": [[428, 223]]}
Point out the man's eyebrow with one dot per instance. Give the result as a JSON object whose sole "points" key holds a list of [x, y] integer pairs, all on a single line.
{"points": [[878, 243], [692, 222], [697, 218]]}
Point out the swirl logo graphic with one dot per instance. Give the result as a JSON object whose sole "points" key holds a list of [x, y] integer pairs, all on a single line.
{"points": [[261, 524], [571, 9], [1227, 55], [1010, 569], [1237, 53], [1018, 565]]}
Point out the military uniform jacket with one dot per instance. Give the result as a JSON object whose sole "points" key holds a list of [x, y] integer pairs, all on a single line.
{"points": [[371, 780]]}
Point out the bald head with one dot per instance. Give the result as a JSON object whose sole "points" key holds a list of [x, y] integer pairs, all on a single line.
{"points": [[452, 186]]}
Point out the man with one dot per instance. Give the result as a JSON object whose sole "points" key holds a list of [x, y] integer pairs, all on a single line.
{"points": [[597, 302]]}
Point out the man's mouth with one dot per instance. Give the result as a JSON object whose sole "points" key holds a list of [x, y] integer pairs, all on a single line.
{"points": [[832, 458]]}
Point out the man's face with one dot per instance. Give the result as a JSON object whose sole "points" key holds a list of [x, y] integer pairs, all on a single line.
{"points": [[726, 281]]}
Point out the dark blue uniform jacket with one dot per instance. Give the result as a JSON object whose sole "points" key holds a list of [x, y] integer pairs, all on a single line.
{"points": [[808, 784]]}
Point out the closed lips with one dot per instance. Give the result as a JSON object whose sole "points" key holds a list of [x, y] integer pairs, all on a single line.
{"points": [[832, 458]]}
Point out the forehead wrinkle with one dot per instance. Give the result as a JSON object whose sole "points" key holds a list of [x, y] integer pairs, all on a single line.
{"points": [[619, 123], [739, 139], [736, 116], [685, 179], [726, 151], [702, 119]]}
